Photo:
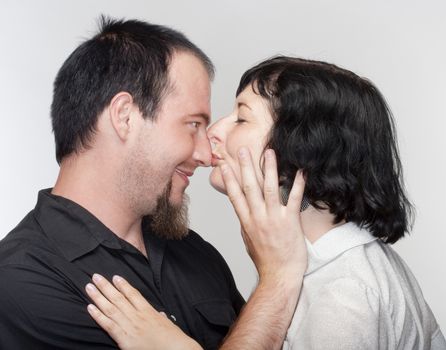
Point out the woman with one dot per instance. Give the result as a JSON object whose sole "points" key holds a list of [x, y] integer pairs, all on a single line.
{"points": [[337, 129]]}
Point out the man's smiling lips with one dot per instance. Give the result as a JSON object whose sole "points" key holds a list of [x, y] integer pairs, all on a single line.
{"points": [[184, 174]]}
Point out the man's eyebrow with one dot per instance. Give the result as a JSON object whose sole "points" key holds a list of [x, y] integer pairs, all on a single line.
{"points": [[243, 104], [206, 117]]}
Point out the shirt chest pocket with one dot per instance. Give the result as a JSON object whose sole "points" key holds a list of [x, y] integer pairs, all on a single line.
{"points": [[214, 318]]}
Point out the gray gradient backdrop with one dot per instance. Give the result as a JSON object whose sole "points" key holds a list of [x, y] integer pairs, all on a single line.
{"points": [[400, 45]]}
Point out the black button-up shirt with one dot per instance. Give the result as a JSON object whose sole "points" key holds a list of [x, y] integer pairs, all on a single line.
{"points": [[47, 260]]}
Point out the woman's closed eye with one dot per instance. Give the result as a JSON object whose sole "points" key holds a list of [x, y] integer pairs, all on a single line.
{"points": [[240, 120]]}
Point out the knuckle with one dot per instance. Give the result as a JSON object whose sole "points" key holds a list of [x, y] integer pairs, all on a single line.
{"points": [[269, 189], [295, 198], [247, 188], [133, 293], [105, 322], [109, 327], [140, 329], [247, 228], [233, 197], [110, 311], [117, 298]]}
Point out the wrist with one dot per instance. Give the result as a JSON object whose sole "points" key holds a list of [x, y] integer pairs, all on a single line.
{"points": [[281, 284], [185, 344], [291, 278], [193, 345]]}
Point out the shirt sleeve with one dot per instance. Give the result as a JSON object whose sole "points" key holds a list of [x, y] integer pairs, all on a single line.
{"points": [[42, 311], [344, 315]]}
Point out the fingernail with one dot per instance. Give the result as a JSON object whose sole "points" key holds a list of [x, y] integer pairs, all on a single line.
{"points": [[91, 287], [97, 277], [92, 308], [242, 152], [269, 153], [117, 279]]}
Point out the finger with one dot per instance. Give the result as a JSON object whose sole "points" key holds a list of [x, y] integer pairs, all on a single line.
{"points": [[102, 303], [111, 293], [106, 323], [133, 295], [235, 193], [250, 185], [271, 183], [296, 193]]}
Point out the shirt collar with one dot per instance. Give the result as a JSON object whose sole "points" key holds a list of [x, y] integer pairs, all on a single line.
{"points": [[71, 227], [334, 243]]}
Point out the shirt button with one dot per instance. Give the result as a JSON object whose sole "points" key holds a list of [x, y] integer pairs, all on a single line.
{"points": [[173, 318]]}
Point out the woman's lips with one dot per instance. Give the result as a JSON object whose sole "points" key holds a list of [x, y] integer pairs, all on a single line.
{"points": [[215, 159], [214, 162]]}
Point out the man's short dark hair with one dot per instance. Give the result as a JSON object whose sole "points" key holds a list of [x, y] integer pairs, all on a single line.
{"points": [[126, 55], [337, 128]]}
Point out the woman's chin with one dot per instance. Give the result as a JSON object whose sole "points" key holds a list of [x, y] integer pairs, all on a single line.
{"points": [[216, 181]]}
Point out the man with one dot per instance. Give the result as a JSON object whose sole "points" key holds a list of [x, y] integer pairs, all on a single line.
{"points": [[129, 113]]}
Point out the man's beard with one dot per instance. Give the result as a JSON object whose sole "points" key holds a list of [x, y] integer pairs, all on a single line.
{"points": [[170, 221]]}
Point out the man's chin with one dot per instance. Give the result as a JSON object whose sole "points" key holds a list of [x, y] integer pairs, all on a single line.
{"points": [[170, 220], [178, 200]]}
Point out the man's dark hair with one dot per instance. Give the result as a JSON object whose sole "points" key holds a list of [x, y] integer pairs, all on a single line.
{"points": [[337, 128], [126, 55]]}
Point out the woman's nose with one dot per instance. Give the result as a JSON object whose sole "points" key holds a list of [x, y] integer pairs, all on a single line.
{"points": [[216, 132]]}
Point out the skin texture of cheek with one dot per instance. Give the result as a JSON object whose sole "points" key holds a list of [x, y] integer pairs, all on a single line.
{"points": [[216, 180], [254, 140]]}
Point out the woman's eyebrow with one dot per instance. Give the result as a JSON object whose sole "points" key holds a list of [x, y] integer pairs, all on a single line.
{"points": [[243, 104]]}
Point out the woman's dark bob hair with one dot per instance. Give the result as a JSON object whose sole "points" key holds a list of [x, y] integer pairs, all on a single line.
{"points": [[337, 128]]}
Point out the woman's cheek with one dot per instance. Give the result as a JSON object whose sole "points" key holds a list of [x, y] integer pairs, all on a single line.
{"points": [[216, 177], [216, 180]]}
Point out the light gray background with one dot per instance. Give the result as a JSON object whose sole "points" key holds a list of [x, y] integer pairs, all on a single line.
{"points": [[400, 45]]}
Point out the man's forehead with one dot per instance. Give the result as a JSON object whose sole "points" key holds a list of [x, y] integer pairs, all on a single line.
{"points": [[187, 63], [189, 88]]}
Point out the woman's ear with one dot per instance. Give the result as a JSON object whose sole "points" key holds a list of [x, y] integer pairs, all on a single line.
{"points": [[120, 109]]}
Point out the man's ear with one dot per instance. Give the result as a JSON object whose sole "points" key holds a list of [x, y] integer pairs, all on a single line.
{"points": [[120, 110]]}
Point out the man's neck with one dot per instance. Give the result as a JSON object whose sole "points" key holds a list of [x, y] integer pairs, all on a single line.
{"points": [[90, 188]]}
